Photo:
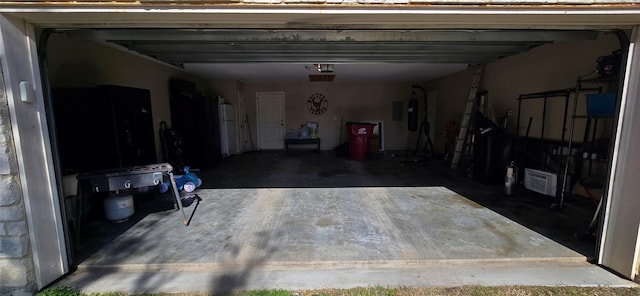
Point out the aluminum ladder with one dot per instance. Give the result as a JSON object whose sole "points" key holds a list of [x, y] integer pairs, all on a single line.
{"points": [[462, 139]]}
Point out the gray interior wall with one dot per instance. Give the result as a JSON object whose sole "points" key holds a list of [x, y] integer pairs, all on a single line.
{"points": [[549, 67], [227, 89], [453, 91], [554, 66], [347, 101], [545, 68], [78, 63]]}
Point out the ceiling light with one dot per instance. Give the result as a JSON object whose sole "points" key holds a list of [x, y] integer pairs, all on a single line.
{"points": [[322, 68], [325, 68]]}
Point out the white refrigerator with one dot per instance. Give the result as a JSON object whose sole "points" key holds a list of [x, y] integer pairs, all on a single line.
{"points": [[226, 115]]}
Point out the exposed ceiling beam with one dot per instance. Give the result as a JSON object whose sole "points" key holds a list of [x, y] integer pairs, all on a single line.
{"points": [[208, 35], [546, 15], [326, 58], [268, 48], [182, 46]]}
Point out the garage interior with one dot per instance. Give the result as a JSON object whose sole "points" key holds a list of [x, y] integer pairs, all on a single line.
{"points": [[404, 205]]}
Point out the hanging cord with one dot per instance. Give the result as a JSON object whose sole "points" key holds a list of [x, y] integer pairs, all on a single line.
{"points": [[246, 124]]}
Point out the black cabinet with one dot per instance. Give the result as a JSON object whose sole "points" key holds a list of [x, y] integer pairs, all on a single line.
{"points": [[103, 127], [195, 118], [492, 151]]}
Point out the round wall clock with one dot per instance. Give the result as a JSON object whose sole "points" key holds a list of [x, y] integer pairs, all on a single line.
{"points": [[317, 103]]}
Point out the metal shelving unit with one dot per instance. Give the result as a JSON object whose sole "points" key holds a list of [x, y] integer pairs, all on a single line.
{"points": [[554, 94], [580, 90]]}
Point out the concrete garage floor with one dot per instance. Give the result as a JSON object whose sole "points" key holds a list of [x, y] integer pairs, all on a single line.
{"points": [[307, 220]]}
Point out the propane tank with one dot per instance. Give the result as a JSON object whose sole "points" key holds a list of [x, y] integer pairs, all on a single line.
{"points": [[510, 179]]}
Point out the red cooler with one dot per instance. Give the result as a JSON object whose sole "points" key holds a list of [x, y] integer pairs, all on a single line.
{"points": [[359, 138]]}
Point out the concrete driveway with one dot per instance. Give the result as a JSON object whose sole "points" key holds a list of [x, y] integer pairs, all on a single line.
{"points": [[296, 237]]}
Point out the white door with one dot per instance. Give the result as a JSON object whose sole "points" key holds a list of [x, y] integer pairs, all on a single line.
{"points": [[620, 242], [270, 120], [33, 150]]}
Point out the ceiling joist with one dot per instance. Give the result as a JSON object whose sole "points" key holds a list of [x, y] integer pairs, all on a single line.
{"points": [[183, 46]]}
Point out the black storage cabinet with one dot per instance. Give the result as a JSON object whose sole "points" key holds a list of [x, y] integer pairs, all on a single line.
{"points": [[103, 127], [195, 118]]}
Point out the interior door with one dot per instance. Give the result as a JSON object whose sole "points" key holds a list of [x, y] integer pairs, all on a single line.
{"points": [[270, 120], [33, 149], [620, 241]]}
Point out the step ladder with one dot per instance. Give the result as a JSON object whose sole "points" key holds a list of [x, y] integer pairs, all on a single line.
{"points": [[462, 141]]}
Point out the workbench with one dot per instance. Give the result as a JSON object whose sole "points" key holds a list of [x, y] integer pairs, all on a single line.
{"points": [[312, 141]]}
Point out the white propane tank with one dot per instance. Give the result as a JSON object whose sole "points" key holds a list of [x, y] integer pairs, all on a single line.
{"points": [[118, 208]]}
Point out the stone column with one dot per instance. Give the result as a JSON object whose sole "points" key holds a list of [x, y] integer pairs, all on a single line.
{"points": [[17, 276]]}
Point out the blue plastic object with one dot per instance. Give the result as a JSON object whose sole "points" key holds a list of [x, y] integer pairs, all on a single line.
{"points": [[163, 187], [601, 104], [188, 182]]}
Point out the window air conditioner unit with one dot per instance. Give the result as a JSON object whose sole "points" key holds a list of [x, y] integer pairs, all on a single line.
{"points": [[541, 182]]}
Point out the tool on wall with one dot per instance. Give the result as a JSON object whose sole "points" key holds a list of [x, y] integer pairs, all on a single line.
{"points": [[172, 147], [340, 128], [463, 141], [248, 130], [412, 113]]}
